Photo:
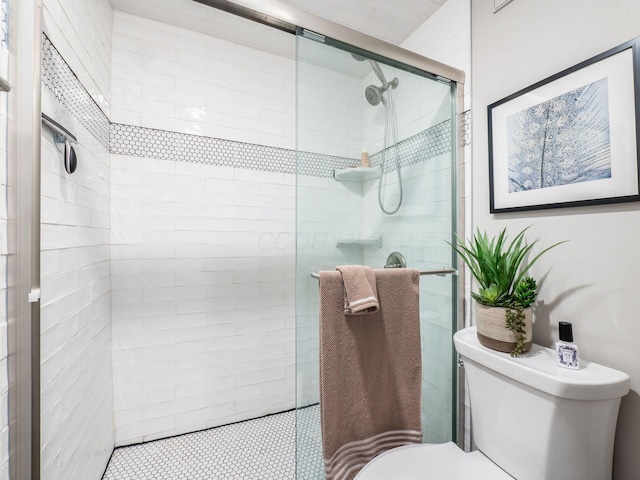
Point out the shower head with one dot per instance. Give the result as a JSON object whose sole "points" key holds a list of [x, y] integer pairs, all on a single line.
{"points": [[374, 95]]}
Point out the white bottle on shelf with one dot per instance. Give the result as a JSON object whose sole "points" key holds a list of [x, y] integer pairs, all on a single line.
{"points": [[566, 350], [364, 157]]}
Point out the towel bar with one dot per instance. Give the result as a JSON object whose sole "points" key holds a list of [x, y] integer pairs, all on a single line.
{"points": [[62, 133], [441, 272]]}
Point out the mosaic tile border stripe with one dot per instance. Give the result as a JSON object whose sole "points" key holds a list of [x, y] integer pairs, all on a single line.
{"points": [[131, 140], [182, 147], [466, 128], [421, 147], [60, 80]]}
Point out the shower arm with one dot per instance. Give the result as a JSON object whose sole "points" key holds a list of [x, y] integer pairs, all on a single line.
{"points": [[375, 66], [441, 272]]}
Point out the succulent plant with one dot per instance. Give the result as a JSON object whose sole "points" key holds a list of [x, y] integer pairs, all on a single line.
{"points": [[500, 269]]}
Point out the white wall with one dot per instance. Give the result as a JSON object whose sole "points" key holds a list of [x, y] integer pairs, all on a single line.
{"points": [[175, 79], [81, 31], [329, 102], [202, 255], [171, 78], [446, 37], [203, 280], [76, 378], [591, 281], [76, 384]]}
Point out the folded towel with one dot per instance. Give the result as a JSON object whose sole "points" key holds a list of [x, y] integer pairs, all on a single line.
{"points": [[370, 372], [360, 292]]}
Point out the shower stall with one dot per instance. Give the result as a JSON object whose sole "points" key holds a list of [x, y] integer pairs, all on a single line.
{"points": [[173, 283]]}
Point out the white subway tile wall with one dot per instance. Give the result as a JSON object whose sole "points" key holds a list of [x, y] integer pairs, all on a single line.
{"points": [[202, 270], [76, 379], [329, 118], [170, 78], [76, 372], [82, 32]]}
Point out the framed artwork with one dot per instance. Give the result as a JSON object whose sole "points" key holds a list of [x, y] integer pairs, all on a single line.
{"points": [[571, 139]]}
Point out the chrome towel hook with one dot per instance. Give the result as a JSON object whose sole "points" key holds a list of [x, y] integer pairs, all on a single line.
{"points": [[70, 159], [62, 135]]}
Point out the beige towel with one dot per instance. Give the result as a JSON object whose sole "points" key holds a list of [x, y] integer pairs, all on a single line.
{"points": [[370, 372], [360, 292]]}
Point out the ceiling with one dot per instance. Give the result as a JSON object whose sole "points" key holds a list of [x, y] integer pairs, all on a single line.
{"points": [[389, 20]]}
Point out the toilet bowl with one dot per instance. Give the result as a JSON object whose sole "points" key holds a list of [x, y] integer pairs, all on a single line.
{"points": [[531, 420], [431, 461]]}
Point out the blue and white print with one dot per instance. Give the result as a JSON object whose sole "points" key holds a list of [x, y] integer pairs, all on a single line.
{"points": [[564, 140]]}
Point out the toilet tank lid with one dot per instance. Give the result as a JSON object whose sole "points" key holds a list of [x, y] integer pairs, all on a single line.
{"points": [[537, 369]]}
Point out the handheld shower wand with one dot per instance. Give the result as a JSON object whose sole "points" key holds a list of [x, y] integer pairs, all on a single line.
{"points": [[375, 96]]}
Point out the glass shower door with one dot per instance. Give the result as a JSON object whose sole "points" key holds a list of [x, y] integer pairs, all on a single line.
{"points": [[346, 104]]}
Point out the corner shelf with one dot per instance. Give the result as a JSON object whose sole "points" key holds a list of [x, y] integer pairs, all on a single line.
{"points": [[357, 174], [361, 242]]}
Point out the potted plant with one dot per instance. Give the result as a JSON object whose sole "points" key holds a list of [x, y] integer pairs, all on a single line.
{"points": [[506, 293]]}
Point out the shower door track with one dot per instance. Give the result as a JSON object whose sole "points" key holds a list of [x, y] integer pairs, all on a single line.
{"points": [[289, 19]]}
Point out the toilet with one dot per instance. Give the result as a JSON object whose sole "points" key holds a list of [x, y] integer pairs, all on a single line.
{"points": [[531, 420]]}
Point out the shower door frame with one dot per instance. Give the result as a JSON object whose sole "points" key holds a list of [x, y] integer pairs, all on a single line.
{"points": [[23, 269], [288, 18]]}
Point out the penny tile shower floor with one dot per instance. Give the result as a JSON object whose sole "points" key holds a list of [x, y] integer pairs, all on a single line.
{"points": [[260, 449]]}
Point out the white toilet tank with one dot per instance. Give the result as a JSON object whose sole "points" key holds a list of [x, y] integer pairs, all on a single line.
{"points": [[536, 420]]}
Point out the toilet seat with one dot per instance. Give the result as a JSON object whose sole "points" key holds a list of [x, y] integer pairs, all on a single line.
{"points": [[431, 461]]}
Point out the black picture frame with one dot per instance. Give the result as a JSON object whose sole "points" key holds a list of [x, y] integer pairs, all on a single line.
{"points": [[572, 139]]}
